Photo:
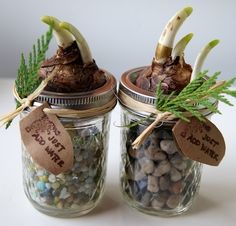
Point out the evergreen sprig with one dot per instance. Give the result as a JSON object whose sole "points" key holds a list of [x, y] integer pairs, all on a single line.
{"points": [[27, 79], [197, 94]]}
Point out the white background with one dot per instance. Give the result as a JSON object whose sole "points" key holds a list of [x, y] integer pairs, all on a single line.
{"points": [[122, 34]]}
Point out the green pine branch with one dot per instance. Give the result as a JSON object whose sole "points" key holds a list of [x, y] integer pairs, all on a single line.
{"points": [[197, 94], [27, 79]]}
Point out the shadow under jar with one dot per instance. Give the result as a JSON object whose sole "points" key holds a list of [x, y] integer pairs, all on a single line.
{"points": [[78, 190], [156, 178]]}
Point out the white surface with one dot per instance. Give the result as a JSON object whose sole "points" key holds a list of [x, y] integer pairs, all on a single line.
{"points": [[215, 205], [121, 34]]}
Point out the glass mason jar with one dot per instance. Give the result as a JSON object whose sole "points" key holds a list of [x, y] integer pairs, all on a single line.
{"points": [[76, 191], [156, 178]]}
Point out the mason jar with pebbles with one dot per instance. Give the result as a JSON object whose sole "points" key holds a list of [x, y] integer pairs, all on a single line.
{"points": [[156, 178], [77, 190]]}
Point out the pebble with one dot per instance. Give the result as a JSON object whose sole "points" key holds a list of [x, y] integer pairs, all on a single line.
{"points": [[175, 175], [176, 187], [43, 178], [154, 153], [164, 183], [147, 165], [142, 185], [158, 202], [48, 185], [168, 146], [52, 178], [40, 173], [139, 175], [145, 200], [162, 168], [61, 176], [41, 185], [56, 199], [64, 193], [55, 185], [136, 153], [173, 201], [152, 184], [92, 172], [181, 166], [178, 162], [134, 171]]}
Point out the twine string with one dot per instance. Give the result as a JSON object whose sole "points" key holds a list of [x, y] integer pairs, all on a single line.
{"points": [[131, 103], [25, 102]]}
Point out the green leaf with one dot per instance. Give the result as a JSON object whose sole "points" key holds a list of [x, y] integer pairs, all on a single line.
{"points": [[197, 94], [27, 79]]}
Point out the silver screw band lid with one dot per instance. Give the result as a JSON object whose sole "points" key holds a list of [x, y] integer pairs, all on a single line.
{"points": [[82, 100]]}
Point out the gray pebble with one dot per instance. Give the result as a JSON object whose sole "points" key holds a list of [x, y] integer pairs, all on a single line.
{"points": [[168, 146], [136, 153], [155, 154], [160, 155], [153, 184], [175, 175], [142, 185], [147, 165], [181, 166], [173, 201], [135, 189], [145, 200], [92, 172], [139, 175], [178, 162], [176, 158], [164, 183], [158, 202], [162, 168]]}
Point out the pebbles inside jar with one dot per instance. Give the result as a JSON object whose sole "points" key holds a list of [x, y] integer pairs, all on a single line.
{"points": [[81, 187], [155, 178]]}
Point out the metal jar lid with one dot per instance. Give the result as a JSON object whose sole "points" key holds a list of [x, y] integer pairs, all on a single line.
{"points": [[82, 100], [128, 87]]}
